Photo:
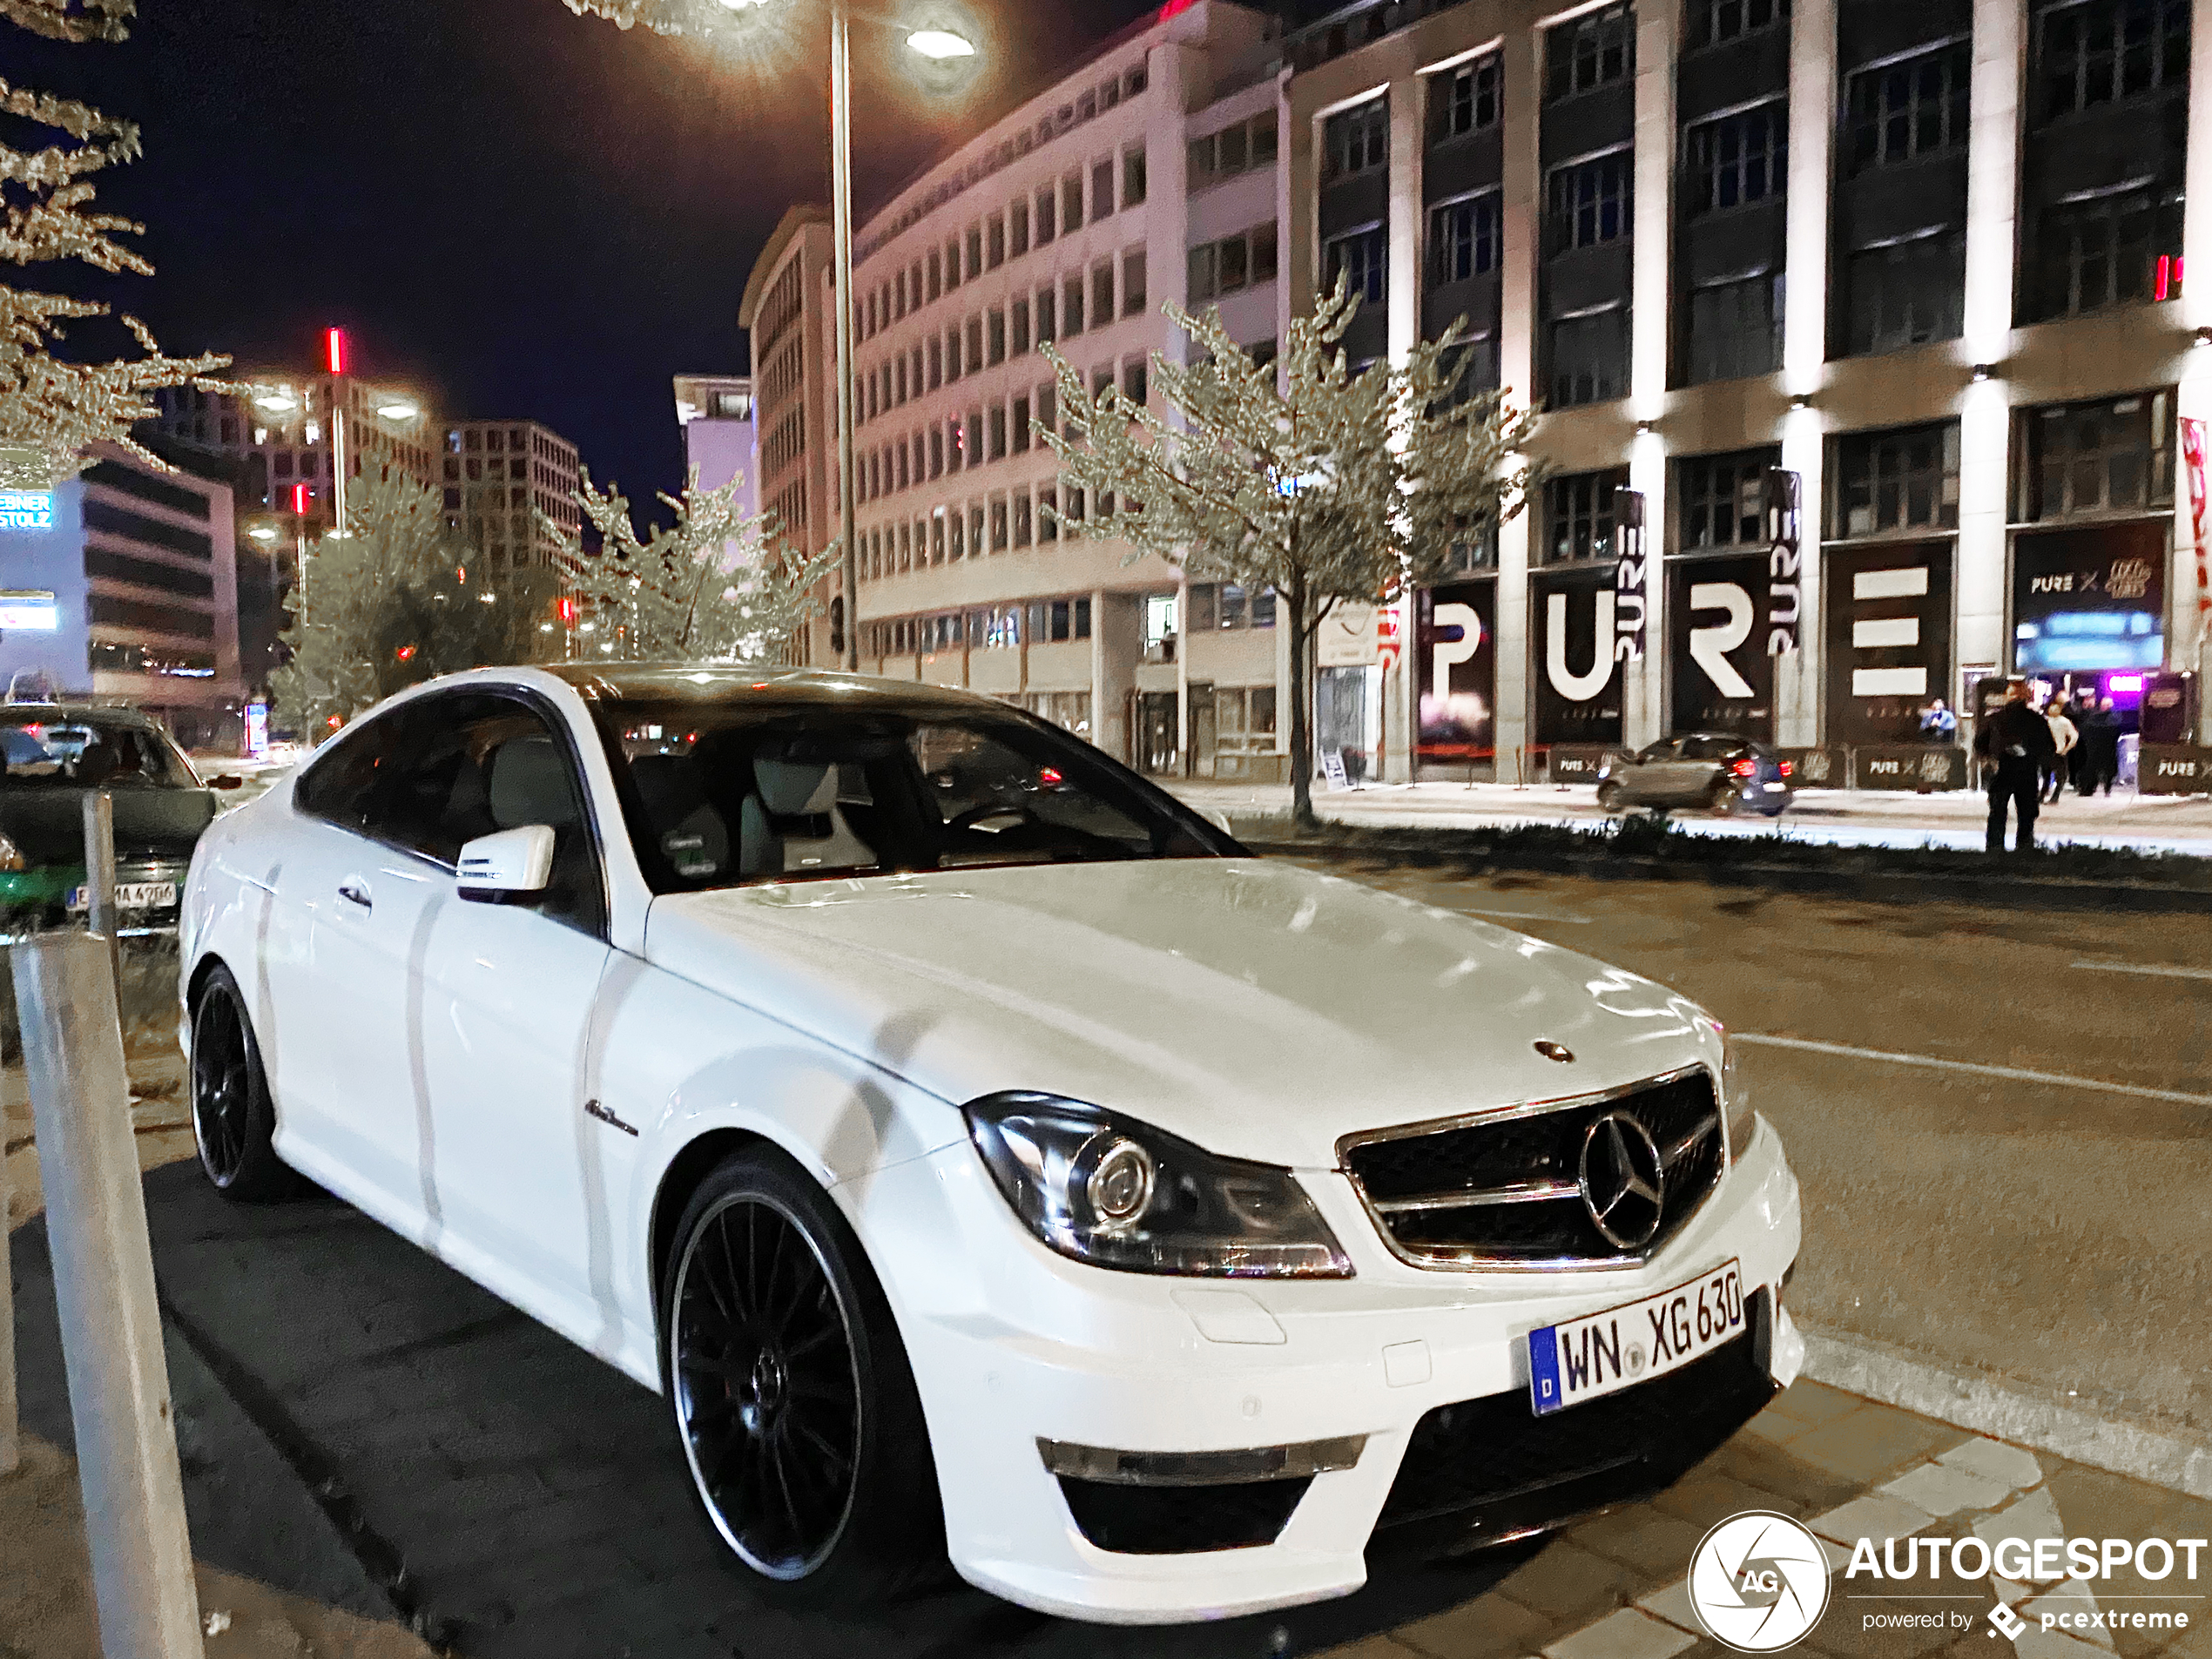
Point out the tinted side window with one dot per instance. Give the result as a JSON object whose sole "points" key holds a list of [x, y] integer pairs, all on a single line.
{"points": [[445, 770]]}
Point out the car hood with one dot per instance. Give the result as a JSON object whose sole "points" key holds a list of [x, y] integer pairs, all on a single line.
{"points": [[48, 823], [1255, 1007]]}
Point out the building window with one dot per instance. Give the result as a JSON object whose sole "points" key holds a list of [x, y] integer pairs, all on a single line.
{"points": [[1466, 99], [1020, 425], [1589, 357], [1590, 202], [1017, 226], [1915, 107], [2110, 455], [975, 359], [1133, 175], [1134, 385], [1735, 329], [1905, 294], [1578, 514], [1101, 189], [1594, 50], [1019, 344], [999, 527], [994, 241], [1722, 499], [1904, 480], [1710, 21], [2099, 50], [995, 327], [1047, 330], [1234, 150], [1737, 159], [1355, 141], [1047, 515], [1133, 282], [998, 432], [1071, 307], [1463, 238], [1361, 260], [1045, 216], [2106, 251], [974, 252], [1021, 517]]}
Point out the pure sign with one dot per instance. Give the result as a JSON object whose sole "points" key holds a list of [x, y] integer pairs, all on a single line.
{"points": [[1628, 575], [1782, 559]]}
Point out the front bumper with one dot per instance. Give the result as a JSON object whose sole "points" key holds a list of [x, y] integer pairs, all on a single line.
{"points": [[1012, 1345]]}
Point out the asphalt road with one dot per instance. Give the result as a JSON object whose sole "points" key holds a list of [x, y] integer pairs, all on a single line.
{"points": [[2051, 1236]]}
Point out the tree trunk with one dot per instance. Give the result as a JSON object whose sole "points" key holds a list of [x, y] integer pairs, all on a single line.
{"points": [[1302, 815]]}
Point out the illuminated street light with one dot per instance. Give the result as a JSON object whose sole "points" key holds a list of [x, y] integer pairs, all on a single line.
{"points": [[937, 43], [263, 533], [399, 411], [277, 401]]}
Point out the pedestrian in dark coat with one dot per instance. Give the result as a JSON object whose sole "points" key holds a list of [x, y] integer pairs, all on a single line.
{"points": [[2099, 762], [2012, 744]]}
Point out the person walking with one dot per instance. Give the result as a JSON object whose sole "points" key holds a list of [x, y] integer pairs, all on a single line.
{"points": [[2064, 736], [2097, 758], [2011, 745]]}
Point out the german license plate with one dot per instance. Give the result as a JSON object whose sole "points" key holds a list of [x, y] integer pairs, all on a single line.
{"points": [[129, 896], [1602, 1354]]}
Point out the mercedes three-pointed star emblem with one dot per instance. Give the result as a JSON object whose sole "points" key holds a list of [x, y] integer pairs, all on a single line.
{"points": [[1624, 1184]]}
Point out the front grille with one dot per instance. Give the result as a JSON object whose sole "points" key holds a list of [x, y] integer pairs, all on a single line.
{"points": [[1481, 1470], [1504, 1191], [1178, 1521]]}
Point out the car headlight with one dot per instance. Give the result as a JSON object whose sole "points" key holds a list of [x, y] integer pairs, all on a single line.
{"points": [[1107, 1190], [1736, 1098], [11, 856]]}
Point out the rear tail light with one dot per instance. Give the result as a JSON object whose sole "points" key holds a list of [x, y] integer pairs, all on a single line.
{"points": [[1785, 769], [1745, 769]]}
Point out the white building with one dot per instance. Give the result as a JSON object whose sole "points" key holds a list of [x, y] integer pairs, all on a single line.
{"points": [[498, 476], [721, 438]]}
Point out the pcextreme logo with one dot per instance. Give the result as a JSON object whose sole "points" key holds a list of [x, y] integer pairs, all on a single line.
{"points": [[1759, 1581]]}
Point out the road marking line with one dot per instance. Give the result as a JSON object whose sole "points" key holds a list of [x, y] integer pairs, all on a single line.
{"points": [[2014, 1073], [2143, 968], [1527, 915]]}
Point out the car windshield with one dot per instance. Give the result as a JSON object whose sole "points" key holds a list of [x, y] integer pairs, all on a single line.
{"points": [[84, 749], [721, 795]]}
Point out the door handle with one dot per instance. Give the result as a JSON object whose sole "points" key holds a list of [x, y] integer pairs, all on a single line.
{"points": [[356, 890]]}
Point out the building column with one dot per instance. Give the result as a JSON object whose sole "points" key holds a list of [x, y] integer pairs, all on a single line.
{"points": [[1804, 347], [1400, 715], [2189, 643], [1522, 74], [1984, 417], [1643, 709]]}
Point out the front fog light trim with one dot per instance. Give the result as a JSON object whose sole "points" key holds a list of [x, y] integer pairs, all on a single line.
{"points": [[1111, 1467]]}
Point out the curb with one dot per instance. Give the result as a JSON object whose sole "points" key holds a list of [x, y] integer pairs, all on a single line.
{"points": [[1880, 886], [1877, 1370]]}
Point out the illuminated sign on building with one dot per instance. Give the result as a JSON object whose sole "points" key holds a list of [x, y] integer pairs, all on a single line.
{"points": [[26, 509], [29, 612]]}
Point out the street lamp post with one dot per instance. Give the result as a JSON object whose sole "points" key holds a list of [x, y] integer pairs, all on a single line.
{"points": [[841, 217]]}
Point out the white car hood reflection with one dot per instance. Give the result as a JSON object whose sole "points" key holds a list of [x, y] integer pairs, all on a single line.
{"points": [[1257, 1009]]}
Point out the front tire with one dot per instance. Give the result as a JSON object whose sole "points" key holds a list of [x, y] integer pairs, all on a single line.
{"points": [[1609, 797], [791, 1395], [233, 1120], [1721, 799]]}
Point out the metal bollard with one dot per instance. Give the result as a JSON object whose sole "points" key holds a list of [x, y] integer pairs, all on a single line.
{"points": [[111, 1323], [99, 877]]}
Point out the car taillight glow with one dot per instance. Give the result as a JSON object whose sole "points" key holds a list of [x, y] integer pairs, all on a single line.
{"points": [[1745, 768], [1785, 769], [1049, 778]]}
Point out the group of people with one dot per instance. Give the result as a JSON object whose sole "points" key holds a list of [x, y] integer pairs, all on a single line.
{"points": [[2029, 755]]}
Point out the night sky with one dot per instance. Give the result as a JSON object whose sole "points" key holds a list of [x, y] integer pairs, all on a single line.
{"points": [[520, 212]]}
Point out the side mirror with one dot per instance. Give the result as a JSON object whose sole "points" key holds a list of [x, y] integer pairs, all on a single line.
{"points": [[516, 862]]}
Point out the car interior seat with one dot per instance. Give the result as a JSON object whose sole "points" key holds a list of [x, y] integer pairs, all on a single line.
{"points": [[691, 835], [529, 784]]}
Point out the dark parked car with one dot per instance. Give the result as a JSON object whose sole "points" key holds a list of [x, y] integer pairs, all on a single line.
{"points": [[1716, 770], [58, 753]]}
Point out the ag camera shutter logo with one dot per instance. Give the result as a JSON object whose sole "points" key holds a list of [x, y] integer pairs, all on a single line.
{"points": [[1759, 1581]]}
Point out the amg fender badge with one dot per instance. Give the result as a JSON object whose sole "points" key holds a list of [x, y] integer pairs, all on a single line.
{"points": [[593, 1109], [1551, 1050]]}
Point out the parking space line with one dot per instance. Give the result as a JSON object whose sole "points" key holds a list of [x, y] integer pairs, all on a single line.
{"points": [[2095, 967], [2015, 1074]]}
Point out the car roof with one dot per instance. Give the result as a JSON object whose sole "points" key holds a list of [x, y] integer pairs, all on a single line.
{"points": [[63, 713], [737, 683]]}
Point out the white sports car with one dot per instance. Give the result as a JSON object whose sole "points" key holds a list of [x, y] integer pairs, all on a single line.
{"points": [[950, 1125]]}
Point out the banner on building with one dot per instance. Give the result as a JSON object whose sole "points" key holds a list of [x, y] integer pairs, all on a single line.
{"points": [[1631, 574], [1346, 637], [1720, 675], [1455, 666], [1887, 627], [1575, 623], [2192, 460], [2089, 599], [1785, 589]]}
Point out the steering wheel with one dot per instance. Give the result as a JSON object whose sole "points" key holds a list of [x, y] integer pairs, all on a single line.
{"points": [[976, 815]]}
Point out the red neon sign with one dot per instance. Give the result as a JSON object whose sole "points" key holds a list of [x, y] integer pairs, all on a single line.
{"points": [[334, 341], [301, 497], [2166, 280]]}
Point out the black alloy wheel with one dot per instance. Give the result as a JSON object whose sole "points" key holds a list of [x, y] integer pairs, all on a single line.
{"points": [[1609, 795], [789, 1392], [233, 1120], [1720, 800]]}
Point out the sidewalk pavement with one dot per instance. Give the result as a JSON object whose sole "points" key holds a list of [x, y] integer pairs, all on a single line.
{"points": [[520, 1500], [1837, 816]]}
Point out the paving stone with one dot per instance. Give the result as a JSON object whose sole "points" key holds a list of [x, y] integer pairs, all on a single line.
{"points": [[2073, 1598], [1672, 1604], [1706, 1497], [1629, 1634], [1872, 1442], [1568, 1585], [2033, 1516], [1812, 1403], [1646, 1538], [2055, 1644], [2015, 1466], [1843, 1632], [1489, 1627], [1873, 1516], [1945, 1489]]}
